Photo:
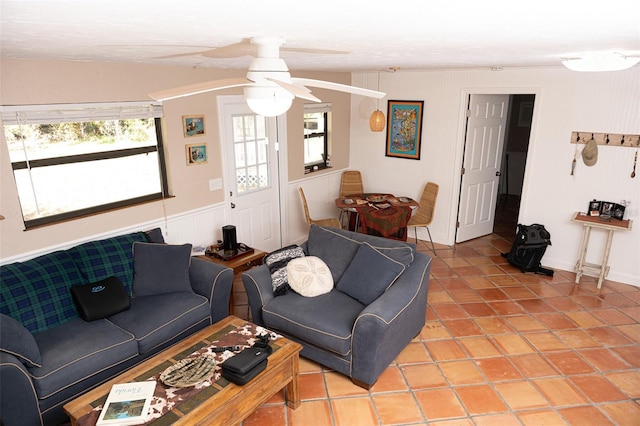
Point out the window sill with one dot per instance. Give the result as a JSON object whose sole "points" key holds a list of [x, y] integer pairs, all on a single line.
{"points": [[316, 168]]}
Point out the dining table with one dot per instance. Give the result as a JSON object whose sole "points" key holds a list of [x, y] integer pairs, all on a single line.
{"points": [[383, 215]]}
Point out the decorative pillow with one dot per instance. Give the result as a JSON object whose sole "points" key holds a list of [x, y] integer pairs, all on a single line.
{"points": [[17, 341], [160, 268], [100, 300], [369, 274], [309, 276], [277, 262]]}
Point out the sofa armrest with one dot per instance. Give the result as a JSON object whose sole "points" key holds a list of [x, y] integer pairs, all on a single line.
{"points": [[214, 282], [388, 324], [18, 399], [257, 284]]}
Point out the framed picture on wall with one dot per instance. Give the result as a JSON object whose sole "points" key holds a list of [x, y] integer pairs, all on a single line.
{"points": [[404, 129], [196, 154], [193, 125]]}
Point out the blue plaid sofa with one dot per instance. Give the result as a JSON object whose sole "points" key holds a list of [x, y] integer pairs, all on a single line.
{"points": [[50, 355]]}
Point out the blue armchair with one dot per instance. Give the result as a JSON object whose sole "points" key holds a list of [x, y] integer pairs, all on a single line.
{"points": [[377, 306]]}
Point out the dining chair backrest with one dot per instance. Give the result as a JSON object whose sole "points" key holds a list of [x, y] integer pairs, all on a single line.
{"points": [[332, 221], [424, 215], [351, 183]]}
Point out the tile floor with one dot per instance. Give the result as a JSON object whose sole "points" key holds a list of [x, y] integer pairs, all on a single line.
{"points": [[499, 348]]}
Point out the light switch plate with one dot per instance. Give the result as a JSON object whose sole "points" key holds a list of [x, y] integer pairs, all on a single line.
{"points": [[215, 184]]}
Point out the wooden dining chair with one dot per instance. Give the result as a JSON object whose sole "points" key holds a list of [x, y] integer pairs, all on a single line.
{"points": [[424, 215], [350, 183], [332, 221]]}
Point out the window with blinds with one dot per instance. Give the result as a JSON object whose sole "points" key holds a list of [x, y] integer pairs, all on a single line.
{"points": [[71, 160], [316, 136]]}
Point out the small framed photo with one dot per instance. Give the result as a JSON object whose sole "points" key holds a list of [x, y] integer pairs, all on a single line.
{"points": [[196, 153], [594, 208], [607, 208], [193, 125]]}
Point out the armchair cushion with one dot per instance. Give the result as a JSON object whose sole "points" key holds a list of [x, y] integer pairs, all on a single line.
{"points": [[309, 276], [369, 274], [277, 262], [325, 321], [160, 268], [337, 247], [17, 341]]}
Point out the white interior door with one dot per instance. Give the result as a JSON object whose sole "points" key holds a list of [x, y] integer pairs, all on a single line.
{"points": [[251, 174], [486, 124]]}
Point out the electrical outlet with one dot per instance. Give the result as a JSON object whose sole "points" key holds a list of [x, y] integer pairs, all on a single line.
{"points": [[215, 184]]}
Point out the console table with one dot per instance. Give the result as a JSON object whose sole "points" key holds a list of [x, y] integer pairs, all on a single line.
{"points": [[589, 222]]}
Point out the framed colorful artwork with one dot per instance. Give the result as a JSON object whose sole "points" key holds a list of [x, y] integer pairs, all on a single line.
{"points": [[193, 125], [196, 154], [404, 129]]}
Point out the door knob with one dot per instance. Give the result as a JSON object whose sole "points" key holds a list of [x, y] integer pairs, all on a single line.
{"points": [[233, 205], [498, 173]]}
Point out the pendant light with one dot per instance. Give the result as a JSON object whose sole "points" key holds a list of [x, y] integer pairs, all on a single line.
{"points": [[377, 119]]}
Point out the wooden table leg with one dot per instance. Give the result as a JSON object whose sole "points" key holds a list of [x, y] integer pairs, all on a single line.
{"points": [[583, 253], [292, 391], [605, 258]]}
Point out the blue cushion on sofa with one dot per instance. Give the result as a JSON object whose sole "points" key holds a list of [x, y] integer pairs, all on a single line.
{"points": [[160, 268], [76, 350], [101, 259], [369, 274], [36, 292], [154, 320], [16, 340]]}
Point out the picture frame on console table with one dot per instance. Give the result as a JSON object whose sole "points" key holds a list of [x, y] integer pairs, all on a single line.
{"points": [[404, 129]]}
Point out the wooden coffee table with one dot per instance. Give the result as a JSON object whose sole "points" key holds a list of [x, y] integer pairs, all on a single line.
{"points": [[222, 403]]}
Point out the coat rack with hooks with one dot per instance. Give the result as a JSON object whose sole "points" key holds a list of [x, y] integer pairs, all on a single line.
{"points": [[607, 139]]}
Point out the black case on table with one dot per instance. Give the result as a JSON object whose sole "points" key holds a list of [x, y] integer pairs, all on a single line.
{"points": [[246, 365]]}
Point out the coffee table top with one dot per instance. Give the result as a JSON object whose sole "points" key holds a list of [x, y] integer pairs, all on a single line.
{"points": [[173, 404]]}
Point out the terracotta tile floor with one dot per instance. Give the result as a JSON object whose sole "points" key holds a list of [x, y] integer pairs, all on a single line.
{"points": [[499, 348]]}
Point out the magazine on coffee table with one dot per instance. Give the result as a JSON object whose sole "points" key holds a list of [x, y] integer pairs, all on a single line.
{"points": [[127, 404]]}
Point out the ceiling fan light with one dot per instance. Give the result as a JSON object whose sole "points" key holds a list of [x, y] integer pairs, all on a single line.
{"points": [[599, 63], [268, 101], [377, 121]]}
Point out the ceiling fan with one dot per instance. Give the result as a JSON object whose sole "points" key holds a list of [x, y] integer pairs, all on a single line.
{"points": [[269, 88]]}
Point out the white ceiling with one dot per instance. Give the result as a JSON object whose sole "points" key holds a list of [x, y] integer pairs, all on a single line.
{"points": [[410, 34]]}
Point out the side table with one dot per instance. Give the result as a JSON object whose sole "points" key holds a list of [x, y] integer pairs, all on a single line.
{"points": [[593, 222], [239, 265]]}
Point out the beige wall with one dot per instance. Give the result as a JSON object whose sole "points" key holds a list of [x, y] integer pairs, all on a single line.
{"points": [[24, 82]]}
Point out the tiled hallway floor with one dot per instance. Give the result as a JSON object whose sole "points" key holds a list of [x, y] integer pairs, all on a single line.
{"points": [[499, 348]]}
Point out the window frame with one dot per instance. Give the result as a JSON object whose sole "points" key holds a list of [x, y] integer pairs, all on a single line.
{"points": [[325, 110], [45, 114]]}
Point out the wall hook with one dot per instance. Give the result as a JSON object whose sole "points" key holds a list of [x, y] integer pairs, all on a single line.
{"points": [[607, 141], [622, 140]]}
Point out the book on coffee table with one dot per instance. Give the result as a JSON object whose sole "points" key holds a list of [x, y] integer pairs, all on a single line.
{"points": [[127, 404]]}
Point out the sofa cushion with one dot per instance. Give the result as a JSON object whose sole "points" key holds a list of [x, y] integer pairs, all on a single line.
{"points": [[160, 268], [77, 350], [156, 319], [36, 292], [337, 247], [325, 321], [106, 258], [369, 274], [17, 341], [309, 276], [100, 300]]}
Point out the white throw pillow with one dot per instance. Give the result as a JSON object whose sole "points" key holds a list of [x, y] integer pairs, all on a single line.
{"points": [[309, 276]]}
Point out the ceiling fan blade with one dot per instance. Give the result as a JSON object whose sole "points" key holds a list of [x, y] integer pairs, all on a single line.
{"points": [[299, 91], [194, 89], [235, 50], [313, 51], [339, 87], [179, 55]]}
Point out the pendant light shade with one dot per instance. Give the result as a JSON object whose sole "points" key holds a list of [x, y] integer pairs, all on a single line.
{"points": [[377, 121]]}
